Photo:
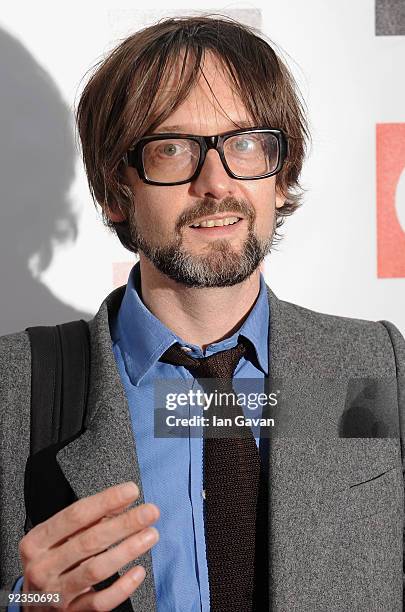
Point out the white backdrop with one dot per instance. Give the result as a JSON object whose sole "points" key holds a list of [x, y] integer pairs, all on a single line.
{"points": [[350, 78]]}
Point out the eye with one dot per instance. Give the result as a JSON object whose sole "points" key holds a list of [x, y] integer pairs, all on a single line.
{"points": [[170, 149], [243, 144]]}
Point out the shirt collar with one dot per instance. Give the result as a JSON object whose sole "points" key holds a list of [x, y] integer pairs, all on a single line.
{"points": [[143, 338]]}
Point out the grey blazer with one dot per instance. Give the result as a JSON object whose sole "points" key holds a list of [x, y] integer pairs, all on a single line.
{"points": [[336, 510]]}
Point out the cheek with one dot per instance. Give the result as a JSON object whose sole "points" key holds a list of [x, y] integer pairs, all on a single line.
{"points": [[261, 196], [155, 214]]}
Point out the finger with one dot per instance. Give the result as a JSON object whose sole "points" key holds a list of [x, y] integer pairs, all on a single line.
{"points": [[112, 596], [116, 512], [79, 515], [94, 570], [96, 539]]}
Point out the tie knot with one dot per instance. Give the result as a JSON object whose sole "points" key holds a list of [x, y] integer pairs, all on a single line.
{"points": [[219, 365]]}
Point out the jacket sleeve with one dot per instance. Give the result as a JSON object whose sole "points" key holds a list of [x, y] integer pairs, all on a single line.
{"points": [[15, 398], [398, 345]]}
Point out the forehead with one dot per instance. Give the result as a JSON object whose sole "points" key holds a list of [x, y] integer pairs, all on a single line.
{"points": [[213, 105]]}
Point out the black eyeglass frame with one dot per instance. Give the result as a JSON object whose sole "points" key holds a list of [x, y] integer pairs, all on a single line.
{"points": [[134, 155]]}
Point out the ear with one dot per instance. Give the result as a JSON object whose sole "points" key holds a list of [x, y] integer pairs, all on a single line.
{"points": [[115, 216], [113, 212], [280, 198], [129, 175]]}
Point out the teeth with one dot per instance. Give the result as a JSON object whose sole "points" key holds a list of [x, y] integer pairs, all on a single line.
{"points": [[216, 222]]}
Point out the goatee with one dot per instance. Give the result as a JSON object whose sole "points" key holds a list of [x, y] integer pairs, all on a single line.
{"points": [[223, 266]]}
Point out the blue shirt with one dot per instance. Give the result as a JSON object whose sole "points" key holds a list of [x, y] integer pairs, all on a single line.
{"points": [[172, 468]]}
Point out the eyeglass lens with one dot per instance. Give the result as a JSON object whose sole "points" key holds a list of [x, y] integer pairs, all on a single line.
{"points": [[176, 159]]}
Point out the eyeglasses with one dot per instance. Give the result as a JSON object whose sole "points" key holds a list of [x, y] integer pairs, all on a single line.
{"points": [[174, 159]]}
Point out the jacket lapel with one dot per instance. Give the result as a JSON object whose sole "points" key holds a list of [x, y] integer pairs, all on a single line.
{"points": [[321, 459], [104, 455]]}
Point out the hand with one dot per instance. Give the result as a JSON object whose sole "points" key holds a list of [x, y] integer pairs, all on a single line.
{"points": [[67, 553]]}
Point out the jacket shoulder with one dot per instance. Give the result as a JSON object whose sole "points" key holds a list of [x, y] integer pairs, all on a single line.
{"points": [[374, 346], [15, 378], [329, 323], [15, 354], [15, 388]]}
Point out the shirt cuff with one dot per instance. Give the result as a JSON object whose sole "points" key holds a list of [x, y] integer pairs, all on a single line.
{"points": [[15, 607]]}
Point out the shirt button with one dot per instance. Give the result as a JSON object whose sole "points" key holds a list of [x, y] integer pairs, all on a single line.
{"points": [[203, 494], [186, 348]]}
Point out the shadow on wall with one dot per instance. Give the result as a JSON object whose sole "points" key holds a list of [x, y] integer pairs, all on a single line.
{"points": [[37, 157]]}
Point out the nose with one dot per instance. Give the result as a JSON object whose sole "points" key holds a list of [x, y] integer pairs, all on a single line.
{"points": [[213, 180]]}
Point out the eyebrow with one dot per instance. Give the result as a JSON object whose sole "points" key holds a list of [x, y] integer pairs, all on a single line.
{"points": [[179, 128]]}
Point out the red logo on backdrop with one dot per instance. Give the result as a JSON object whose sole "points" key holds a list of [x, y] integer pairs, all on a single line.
{"points": [[391, 200]]}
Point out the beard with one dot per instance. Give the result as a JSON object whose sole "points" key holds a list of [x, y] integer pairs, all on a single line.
{"points": [[223, 266]]}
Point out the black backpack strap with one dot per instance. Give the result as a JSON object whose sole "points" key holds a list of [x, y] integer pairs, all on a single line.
{"points": [[60, 358]]}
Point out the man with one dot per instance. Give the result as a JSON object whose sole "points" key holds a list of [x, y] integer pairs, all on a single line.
{"points": [[188, 121]]}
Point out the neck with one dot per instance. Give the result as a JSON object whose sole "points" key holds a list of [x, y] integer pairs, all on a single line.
{"points": [[199, 316]]}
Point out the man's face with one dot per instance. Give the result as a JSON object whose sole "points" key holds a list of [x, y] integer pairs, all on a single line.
{"points": [[161, 218]]}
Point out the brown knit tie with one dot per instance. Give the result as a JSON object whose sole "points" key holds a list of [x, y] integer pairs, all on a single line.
{"points": [[231, 483]]}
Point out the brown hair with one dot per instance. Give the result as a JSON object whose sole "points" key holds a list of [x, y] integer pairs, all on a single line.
{"points": [[120, 102]]}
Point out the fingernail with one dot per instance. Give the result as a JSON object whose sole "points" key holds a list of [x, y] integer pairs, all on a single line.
{"points": [[146, 514], [150, 536], [138, 573]]}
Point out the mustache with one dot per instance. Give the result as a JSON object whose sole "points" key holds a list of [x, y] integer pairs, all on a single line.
{"points": [[209, 206]]}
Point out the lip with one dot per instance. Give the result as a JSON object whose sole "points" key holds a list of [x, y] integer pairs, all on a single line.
{"points": [[216, 217], [218, 232]]}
